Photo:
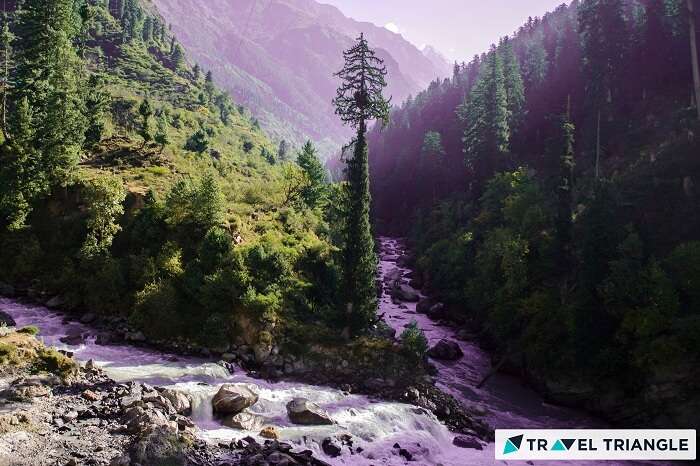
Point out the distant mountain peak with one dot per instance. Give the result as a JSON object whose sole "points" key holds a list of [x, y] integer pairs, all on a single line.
{"points": [[278, 58]]}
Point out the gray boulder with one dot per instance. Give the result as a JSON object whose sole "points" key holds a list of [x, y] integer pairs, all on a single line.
{"points": [[304, 412], [7, 320], [446, 350], [463, 441], [437, 311], [245, 421], [424, 305], [404, 292], [55, 302], [160, 447], [181, 402], [234, 398]]}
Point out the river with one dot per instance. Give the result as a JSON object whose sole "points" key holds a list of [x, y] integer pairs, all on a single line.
{"points": [[376, 425]]}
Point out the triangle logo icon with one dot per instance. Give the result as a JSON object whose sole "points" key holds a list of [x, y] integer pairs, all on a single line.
{"points": [[509, 448], [558, 446], [568, 442]]}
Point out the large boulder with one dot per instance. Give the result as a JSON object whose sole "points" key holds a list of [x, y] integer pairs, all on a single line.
{"points": [[304, 412], [245, 421], [181, 403], [74, 338], [446, 350], [464, 441], [7, 320], [234, 398], [437, 311], [403, 292], [160, 447], [424, 305]]}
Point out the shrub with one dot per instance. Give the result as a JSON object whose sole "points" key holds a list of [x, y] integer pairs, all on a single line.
{"points": [[413, 341], [50, 360], [29, 330]]}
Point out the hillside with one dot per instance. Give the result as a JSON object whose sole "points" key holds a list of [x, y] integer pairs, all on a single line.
{"points": [[549, 191], [170, 204], [278, 58]]}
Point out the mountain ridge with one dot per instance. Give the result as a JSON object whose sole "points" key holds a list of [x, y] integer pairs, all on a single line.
{"points": [[276, 57]]}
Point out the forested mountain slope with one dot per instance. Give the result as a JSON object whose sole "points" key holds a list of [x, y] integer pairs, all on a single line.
{"points": [[279, 56], [132, 187], [550, 191]]}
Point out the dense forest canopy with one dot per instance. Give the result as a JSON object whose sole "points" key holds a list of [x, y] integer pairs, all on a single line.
{"points": [[549, 191]]}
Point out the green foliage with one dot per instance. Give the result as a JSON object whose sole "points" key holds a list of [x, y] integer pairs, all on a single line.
{"points": [[199, 141], [413, 341], [104, 198], [146, 112], [312, 167], [486, 117], [359, 99], [50, 360], [29, 330], [432, 144]]}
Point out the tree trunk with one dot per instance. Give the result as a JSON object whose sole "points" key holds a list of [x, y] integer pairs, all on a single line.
{"points": [[597, 149], [694, 54]]}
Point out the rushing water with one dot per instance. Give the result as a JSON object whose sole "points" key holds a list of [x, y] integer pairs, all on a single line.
{"points": [[376, 425]]}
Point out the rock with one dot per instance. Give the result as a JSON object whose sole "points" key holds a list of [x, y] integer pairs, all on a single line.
{"points": [[139, 421], [7, 290], [90, 365], [446, 350], [269, 432], [331, 447], [74, 338], [88, 318], [137, 337], [463, 441], [303, 412], [424, 305], [70, 416], [403, 292], [90, 395], [181, 402], [55, 302], [245, 421], [436, 311], [123, 460], [159, 447], [262, 352], [234, 398], [405, 454], [6, 319], [229, 357]]}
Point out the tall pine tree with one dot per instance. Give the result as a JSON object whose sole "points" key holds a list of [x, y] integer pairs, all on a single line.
{"points": [[48, 123], [359, 100], [486, 116]]}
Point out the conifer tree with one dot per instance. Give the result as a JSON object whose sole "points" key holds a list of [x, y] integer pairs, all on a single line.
{"points": [[48, 125], [161, 137], [146, 112], [6, 38], [196, 72], [97, 102], [209, 86], [515, 89], [359, 100], [485, 114], [565, 194], [315, 174], [177, 57], [283, 151]]}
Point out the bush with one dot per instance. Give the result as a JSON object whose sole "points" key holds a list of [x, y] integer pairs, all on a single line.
{"points": [[50, 360], [29, 330], [413, 341]]}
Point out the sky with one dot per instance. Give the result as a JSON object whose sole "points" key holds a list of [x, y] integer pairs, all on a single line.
{"points": [[459, 29]]}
